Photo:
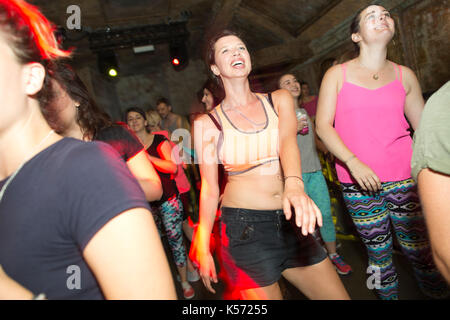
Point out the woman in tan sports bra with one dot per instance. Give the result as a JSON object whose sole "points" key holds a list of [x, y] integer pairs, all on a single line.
{"points": [[267, 219]]}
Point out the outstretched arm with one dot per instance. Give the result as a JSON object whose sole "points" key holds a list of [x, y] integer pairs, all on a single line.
{"points": [[205, 137], [306, 211]]}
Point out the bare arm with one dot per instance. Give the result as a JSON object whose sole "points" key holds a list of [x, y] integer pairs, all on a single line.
{"points": [[164, 163], [205, 136], [434, 192], [142, 169], [306, 212], [319, 144], [414, 101], [326, 111], [128, 259]]}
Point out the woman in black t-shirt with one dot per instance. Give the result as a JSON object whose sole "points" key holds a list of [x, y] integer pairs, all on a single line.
{"points": [[76, 115], [69, 210], [170, 207]]}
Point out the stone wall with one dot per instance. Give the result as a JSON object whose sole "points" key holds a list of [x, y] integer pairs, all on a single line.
{"points": [[421, 42], [141, 84]]}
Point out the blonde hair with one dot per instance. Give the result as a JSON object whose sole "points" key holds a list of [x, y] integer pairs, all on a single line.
{"points": [[153, 118]]}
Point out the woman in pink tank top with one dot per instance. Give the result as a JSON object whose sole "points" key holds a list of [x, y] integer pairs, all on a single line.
{"points": [[361, 119]]}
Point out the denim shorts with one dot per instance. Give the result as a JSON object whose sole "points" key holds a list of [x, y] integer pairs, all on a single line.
{"points": [[258, 245]]}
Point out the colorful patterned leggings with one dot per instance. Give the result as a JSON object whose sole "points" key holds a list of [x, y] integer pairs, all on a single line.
{"points": [[397, 204], [170, 213]]}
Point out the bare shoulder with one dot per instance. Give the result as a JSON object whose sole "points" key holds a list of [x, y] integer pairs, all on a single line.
{"points": [[408, 74], [333, 74], [281, 94], [409, 79], [205, 121], [281, 97]]}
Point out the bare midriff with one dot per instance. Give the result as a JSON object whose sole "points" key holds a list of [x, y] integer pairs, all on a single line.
{"points": [[260, 189]]}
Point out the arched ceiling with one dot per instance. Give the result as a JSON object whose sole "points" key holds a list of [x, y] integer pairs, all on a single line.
{"points": [[277, 32]]}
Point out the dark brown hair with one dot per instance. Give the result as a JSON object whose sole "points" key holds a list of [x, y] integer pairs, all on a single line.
{"points": [[137, 110], [217, 92], [90, 117], [355, 28]]}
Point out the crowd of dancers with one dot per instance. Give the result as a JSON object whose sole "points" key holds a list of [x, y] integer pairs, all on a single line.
{"points": [[86, 202]]}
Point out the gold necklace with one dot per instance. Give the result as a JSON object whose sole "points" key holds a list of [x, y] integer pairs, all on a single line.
{"points": [[375, 76], [255, 124]]}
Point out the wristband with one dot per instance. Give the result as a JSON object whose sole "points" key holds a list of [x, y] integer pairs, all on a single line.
{"points": [[293, 177]]}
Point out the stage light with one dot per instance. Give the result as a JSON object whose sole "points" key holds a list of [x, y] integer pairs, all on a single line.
{"points": [[107, 64], [112, 72], [178, 55]]}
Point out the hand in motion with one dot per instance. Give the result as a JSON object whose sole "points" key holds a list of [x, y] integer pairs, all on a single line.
{"points": [[306, 211], [204, 261], [364, 175]]}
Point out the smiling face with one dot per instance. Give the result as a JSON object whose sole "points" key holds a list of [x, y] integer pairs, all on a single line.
{"points": [[135, 121], [375, 24], [290, 83], [231, 58]]}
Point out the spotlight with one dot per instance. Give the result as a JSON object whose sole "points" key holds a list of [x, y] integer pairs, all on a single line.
{"points": [[107, 64], [112, 72], [178, 55]]}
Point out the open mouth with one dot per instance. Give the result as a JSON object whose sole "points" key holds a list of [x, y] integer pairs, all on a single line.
{"points": [[382, 27], [237, 63]]}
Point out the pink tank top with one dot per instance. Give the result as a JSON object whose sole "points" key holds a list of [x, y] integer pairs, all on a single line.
{"points": [[371, 123]]}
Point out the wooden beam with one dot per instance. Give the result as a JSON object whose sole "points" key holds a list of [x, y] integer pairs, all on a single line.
{"points": [[223, 13], [320, 14], [263, 21]]}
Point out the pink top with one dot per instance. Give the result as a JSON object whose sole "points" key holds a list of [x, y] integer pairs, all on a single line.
{"points": [[371, 123], [311, 107]]}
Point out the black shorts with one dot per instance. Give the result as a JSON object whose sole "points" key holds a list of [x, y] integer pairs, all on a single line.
{"points": [[258, 245]]}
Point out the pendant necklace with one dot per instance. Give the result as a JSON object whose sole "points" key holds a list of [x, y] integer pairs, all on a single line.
{"points": [[375, 75], [256, 124], [10, 179]]}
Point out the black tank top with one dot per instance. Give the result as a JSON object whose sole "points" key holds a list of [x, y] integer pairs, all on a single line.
{"points": [[167, 180]]}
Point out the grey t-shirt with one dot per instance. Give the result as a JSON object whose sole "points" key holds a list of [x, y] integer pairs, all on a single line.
{"points": [[308, 152], [431, 147]]}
